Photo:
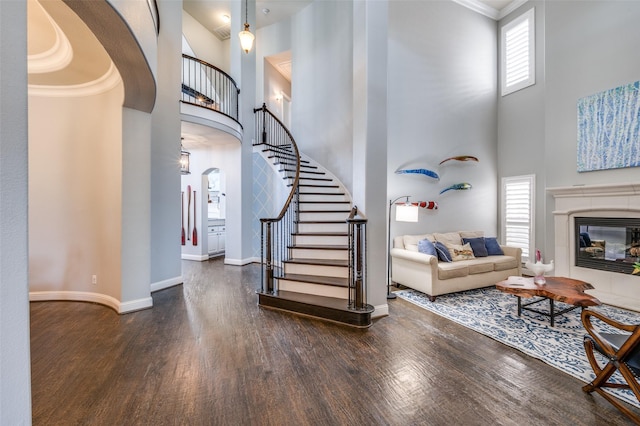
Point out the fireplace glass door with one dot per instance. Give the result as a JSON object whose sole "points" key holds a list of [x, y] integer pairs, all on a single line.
{"points": [[608, 244]]}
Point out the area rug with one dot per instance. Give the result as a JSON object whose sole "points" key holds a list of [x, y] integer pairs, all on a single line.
{"points": [[493, 313]]}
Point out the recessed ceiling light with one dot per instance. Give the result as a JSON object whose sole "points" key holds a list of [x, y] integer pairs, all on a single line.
{"points": [[226, 18], [265, 11]]}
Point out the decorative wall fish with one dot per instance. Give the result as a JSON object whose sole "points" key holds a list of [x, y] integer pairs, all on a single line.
{"points": [[460, 158], [425, 172], [429, 205], [457, 187]]}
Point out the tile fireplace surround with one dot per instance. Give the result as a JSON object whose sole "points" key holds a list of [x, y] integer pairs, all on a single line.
{"points": [[608, 200]]}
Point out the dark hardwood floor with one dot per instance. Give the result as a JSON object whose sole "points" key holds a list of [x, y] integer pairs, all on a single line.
{"points": [[206, 354]]}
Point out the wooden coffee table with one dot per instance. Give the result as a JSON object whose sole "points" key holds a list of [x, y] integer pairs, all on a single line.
{"points": [[561, 289]]}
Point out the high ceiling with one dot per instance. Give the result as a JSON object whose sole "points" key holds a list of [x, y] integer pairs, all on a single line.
{"points": [[210, 12]]}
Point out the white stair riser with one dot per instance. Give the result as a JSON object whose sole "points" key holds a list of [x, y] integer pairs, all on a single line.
{"points": [[323, 189], [298, 253], [320, 270], [320, 240], [323, 197], [305, 216], [325, 206], [317, 289], [323, 227]]}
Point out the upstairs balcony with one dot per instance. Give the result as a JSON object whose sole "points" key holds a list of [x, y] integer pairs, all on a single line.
{"points": [[209, 97]]}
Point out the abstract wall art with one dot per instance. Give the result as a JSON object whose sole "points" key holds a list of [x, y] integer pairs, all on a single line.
{"points": [[609, 129]]}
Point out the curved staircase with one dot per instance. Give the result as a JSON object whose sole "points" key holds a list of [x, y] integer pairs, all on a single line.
{"points": [[313, 274]]}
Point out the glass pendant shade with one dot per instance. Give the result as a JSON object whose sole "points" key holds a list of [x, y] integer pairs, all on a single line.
{"points": [[184, 162], [246, 38]]}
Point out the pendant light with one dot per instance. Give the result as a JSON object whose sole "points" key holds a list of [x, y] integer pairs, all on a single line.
{"points": [[184, 160], [246, 38]]}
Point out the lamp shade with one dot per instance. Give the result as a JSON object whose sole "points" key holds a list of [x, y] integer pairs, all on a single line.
{"points": [[407, 213]]}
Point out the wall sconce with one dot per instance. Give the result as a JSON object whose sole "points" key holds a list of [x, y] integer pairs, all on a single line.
{"points": [[184, 160], [246, 38]]}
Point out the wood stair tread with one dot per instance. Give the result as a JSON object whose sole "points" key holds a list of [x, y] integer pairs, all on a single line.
{"points": [[319, 246], [319, 221], [324, 211], [323, 193], [315, 279], [310, 185], [327, 234], [320, 262], [325, 202]]}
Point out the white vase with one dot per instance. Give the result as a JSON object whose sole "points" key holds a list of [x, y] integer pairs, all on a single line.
{"points": [[539, 269]]}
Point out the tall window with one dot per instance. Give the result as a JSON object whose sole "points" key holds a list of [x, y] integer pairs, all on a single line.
{"points": [[517, 53], [518, 213]]}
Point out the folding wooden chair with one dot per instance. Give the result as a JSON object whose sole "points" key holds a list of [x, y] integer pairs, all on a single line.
{"points": [[622, 352]]}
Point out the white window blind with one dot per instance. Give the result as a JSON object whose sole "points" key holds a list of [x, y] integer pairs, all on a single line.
{"points": [[517, 213], [517, 46]]}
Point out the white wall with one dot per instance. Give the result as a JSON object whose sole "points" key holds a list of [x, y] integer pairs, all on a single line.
{"points": [[442, 103], [322, 59], [205, 45], [586, 49], [270, 40], [521, 118], [15, 368], [274, 86], [75, 184], [166, 268]]}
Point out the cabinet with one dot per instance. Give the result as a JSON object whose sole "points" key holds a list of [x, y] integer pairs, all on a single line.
{"points": [[216, 237]]}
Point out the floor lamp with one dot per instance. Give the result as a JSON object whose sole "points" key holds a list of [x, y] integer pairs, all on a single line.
{"points": [[406, 212]]}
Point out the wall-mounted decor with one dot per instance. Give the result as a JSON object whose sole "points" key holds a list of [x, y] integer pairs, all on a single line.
{"points": [[609, 129], [425, 172], [460, 158], [457, 187]]}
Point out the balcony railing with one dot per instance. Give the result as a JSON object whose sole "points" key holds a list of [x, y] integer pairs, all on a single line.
{"points": [[208, 86]]}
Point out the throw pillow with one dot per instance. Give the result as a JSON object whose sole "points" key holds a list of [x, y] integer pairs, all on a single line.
{"points": [[425, 246], [471, 234], [443, 252], [411, 241], [448, 238], [460, 252], [493, 248], [477, 245]]}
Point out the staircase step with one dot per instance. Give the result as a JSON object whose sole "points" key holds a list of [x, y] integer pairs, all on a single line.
{"points": [[307, 172], [315, 179], [304, 205], [320, 238], [322, 193], [314, 215], [319, 251], [288, 164], [325, 267], [321, 307], [323, 226], [289, 157], [302, 185]]}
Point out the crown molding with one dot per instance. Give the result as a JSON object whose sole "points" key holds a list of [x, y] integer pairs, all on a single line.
{"points": [[481, 8], [56, 57]]}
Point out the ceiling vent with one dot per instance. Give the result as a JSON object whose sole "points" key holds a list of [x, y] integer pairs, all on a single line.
{"points": [[223, 32]]}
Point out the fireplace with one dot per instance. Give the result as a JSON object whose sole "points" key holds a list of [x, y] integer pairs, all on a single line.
{"points": [[609, 215], [607, 243]]}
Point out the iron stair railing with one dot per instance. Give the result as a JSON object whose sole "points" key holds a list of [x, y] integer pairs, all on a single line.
{"points": [[357, 260], [207, 86], [276, 233]]}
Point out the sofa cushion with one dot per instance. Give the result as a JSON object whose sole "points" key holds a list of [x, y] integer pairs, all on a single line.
{"points": [[448, 238], [443, 252], [460, 252], [411, 241], [425, 246], [471, 234], [502, 263], [478, 266], [477, 245], [493, 247], [452, 270]]}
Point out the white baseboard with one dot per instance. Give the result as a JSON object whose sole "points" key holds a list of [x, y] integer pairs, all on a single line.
{"points": [[238, 262], [197, 257], [85, 296], [136, 305], [380, 311], [161, 285]]}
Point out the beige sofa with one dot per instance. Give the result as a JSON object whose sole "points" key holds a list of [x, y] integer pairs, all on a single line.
{"points": [[423, 272]]}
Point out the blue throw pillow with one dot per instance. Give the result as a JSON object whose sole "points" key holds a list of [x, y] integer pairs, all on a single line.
{"points": [[477, 246], [425, 246], [493, 248], [443, 252]]}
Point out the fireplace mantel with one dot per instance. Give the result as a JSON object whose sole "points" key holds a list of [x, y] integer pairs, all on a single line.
{"points": [[604, 200]]}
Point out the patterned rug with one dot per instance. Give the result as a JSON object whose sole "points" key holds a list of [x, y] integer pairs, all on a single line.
{"points": [[495, 314]]}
